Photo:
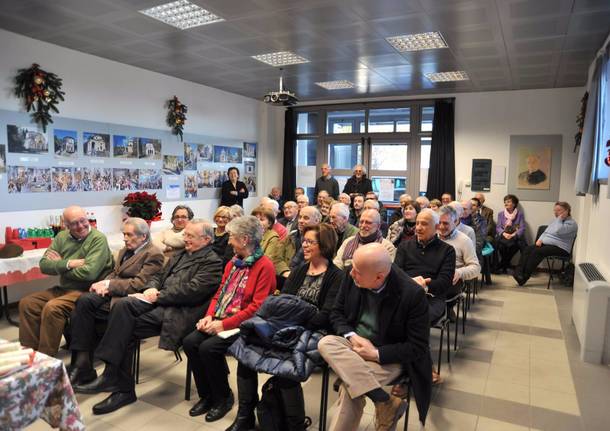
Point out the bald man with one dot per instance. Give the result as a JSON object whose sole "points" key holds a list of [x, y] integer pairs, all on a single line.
{"points": [[380, 317], [81, 257], [327, 182]]}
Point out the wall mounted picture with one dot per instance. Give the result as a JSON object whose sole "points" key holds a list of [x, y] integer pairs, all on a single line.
{"points": [[224, 154], [2, 159], [96, 144], [211, 179], [534, 168], [250, 150], [191, 153], [66, 179], [26, 140], [149, 148], [249, 168], [125, 179], [124, 147], [206, 152], [250, 181], [97, 179], [190, 185], [22, 179], [173, 165], [65, 143], [150, 179]]}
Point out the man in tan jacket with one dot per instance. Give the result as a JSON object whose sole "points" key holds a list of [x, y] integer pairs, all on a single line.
{"points": [[136, 263]]}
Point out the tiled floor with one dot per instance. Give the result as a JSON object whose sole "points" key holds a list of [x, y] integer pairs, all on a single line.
{"points": [[517, 368]]}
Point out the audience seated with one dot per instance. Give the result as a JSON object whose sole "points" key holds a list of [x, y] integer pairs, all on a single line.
{"points": [[302, 201], [325, 206], [488, 214], [80, 256], [446, 198], [327, 182], [323, 194], [369, 232], [275, 208], [290, 218], [248, 279], [339, 218], [381, 320], [276, 195], [316, 281], [476, 222], [270, 242], [291, 251], [404, 229], [299, 191], [556, 240], [345, 199], [169, 306], [236, 211], [222, 216], [397, 215], [422, 201], [465, 229], [435, 204], [137, 262], [510, 231], [383, 212], [358, 202], [358, 183], [171, 240]]}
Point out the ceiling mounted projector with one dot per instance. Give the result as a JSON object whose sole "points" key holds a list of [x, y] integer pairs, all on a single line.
{"points": [[281, 97]]}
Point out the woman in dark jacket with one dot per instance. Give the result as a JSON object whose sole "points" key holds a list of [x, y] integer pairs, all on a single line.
{"points": [[233, 191], [316, 281], [358, 183], [222, 216]]}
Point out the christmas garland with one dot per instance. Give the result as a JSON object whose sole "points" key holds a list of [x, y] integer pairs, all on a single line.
{"points": [[41, 92], [176, 116], [580, 120]]}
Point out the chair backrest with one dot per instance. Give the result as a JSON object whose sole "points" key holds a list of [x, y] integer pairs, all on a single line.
{"points": [[540, 231]]}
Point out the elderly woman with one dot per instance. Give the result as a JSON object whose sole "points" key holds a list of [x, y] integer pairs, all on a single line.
{"points": [[233, 191], [509, 232], [435, 205], [222, 216], [358, 183], [270, 243], [325, 206], [248, 279], [171, 240], [404, 229], [316, 281]]}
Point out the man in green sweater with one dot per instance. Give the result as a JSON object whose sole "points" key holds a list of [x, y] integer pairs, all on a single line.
{"points": [[80, 256]]}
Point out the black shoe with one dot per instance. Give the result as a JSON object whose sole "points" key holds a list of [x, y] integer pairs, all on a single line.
{"points": [[203, 406], [219, 410], [81, 376], [114, 402], [103, 383], [520, 280], [243, 423]]}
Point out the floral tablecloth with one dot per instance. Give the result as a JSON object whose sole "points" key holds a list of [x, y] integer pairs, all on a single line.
{"points": [[40, 391]]}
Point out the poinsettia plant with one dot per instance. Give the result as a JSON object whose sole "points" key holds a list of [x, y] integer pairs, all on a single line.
{"points": [[143, 205]]}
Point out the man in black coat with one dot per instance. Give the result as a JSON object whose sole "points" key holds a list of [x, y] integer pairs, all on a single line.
{"points": [[358, 183], [380, 317], [327, 182], [170, 305]]}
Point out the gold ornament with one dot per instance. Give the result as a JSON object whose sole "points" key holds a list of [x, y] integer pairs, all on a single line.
{"points": [[46, 93], [38, 80]]}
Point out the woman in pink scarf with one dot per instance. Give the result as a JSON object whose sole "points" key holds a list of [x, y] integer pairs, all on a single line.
{"points": [[509, 233]]}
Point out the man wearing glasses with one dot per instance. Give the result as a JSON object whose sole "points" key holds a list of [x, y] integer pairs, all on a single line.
{"points": [[80, 256]]}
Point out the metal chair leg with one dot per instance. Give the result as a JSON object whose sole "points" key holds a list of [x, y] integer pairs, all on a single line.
{"points": [[408, 400], [440, 351], [464, 314], [187, 385], [324, 398], [448, 344], [457, 324]]}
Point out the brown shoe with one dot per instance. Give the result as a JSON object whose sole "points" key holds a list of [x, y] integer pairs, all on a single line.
{"points": [[388, 413]]}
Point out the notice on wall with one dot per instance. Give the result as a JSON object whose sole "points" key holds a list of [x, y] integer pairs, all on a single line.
{"points": [[386, 189], [172, 191], [498, 174]]}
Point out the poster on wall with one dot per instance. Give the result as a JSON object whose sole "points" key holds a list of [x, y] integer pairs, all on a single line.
{"points": [[149, 148], [206, 152], [65, 143], [250, 150], [190, 156], [66, 179], [22, 179], [124, 147], [150, 179], [249, 168], [96, 144], [190, 185], [173, 165], [26, 140], [211, 178], [97, 179], [250, 181], [125, 179], [224, 154], [534, 167], [2, 159]]}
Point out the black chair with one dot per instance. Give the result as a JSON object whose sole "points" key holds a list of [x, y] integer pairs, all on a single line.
{"points": [[442, 324], [550, 260], [459, 301]]}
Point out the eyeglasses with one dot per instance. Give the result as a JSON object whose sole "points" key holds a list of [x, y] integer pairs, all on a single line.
{"points": [[181, 217], [191, 236], [223, 217], [82, 221], [309, 242]]}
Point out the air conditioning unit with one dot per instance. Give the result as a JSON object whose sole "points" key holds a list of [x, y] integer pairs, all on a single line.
{"points": [[591, 313]]}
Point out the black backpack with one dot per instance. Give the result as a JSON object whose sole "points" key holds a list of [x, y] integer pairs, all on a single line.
{"points": [[270, 409]]}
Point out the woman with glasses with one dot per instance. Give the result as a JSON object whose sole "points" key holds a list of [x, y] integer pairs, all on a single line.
{"points": [[316, 281], [404, 229], [172, 239], [358, 183], [233, 191], [270, 243], [222, 216]]}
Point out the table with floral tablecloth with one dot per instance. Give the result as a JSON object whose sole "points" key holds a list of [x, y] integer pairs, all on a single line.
{"points": [[43, 391]]}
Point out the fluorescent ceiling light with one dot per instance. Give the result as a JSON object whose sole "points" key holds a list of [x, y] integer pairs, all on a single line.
{"points": [[182, 14], [457, 75], [417, 42], [280, 58], [336, 85]]}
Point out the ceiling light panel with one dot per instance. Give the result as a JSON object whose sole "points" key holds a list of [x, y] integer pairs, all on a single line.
{"points": [[417, 42], [457, 75], [280, 58], [336, 85], [182, 14]]}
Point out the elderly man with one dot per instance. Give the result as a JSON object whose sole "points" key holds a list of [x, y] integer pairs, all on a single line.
{"points": [[476, 222], [354, 216], [137, 262], [397, 213], [465, 229], [272, 204], [290, 219], [302, 201], [423, 202], [381, 320], [488, 214], [344, 198], [339, 218], [291, 249], [369, 231], [446, 198], [299, 191], [358, 183], [383, 212], [276, 195], [430, 261], [327, 182], [80, 256], [170, 305], [321, 197]]}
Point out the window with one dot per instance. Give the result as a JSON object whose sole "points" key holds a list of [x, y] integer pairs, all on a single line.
{"points": [[344, 156], [424, 165], [390, 157], [342, 122], [389, 188], [427, 117], [307, 123], [306, 156], [389, 120]]}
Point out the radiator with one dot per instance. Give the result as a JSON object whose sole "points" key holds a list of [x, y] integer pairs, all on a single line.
{"points": [[590, 313]]}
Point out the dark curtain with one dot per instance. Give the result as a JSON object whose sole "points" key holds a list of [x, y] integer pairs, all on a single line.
{"points": [[441, 175], [289, 172]]}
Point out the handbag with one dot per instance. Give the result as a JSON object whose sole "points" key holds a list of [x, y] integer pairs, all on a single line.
{"points": [[487, 249]]}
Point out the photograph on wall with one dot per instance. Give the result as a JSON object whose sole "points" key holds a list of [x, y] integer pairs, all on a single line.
{"points": [[22, 179], [66, 179], [210, 178], [65, 143], [150, 179], [534, 167], [2, 159], [173, 165], [97, 179], [124, 147], [149, 148], [96, 144], [26, 140], [190, 185], [206, 152], [224, 154], [250, 150], [250, 181], [249, 168], [125, 179], [190, 157]]}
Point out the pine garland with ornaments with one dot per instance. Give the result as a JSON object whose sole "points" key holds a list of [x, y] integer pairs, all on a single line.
{"points": [[176, 116]]}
